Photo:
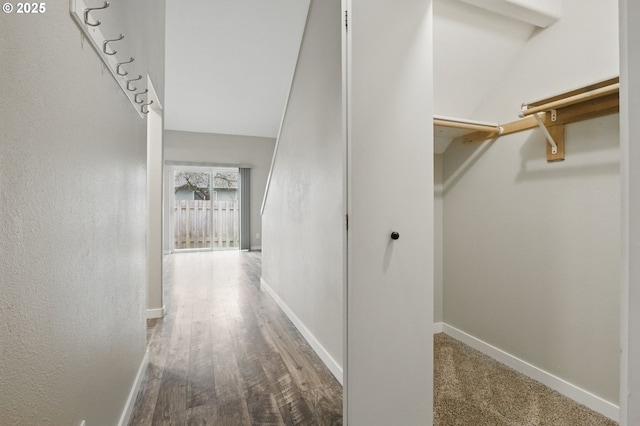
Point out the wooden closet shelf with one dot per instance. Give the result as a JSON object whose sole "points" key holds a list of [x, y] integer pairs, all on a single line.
{"points": [[551, 114]]}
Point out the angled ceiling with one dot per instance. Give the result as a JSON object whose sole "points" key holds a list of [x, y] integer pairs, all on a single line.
{"points": [[229, 64], [541, 13], [473, 47]]}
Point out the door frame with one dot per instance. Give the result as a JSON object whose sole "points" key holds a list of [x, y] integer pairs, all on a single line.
{"points": [[155, 200]]}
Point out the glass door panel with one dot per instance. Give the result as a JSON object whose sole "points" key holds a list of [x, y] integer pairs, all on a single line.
{"points": [[226, 209], [193, 210]]}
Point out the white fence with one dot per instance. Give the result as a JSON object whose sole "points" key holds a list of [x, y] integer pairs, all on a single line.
{"points": [[193, 226]]}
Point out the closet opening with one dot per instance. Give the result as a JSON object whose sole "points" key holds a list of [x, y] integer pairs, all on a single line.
{"points": [[527, 215]]}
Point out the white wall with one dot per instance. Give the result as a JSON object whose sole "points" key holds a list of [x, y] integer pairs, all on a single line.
{"points": [[532, 249], [72, 220], [304, 213], [230, 150]]}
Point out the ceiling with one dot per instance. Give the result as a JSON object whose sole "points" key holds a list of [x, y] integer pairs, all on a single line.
{"points": [[229, 64]]}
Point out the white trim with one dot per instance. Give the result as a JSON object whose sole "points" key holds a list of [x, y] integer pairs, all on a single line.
{"points": [[256, 248], [346, 69], [328, 360], [567, 389], [438, 327], [133, 394], [155, 313]]}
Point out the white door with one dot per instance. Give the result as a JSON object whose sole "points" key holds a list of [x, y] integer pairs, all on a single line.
{"points": [[390, 189]]}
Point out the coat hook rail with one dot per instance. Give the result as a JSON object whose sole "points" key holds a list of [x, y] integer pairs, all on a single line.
{"points": [[104, 47]]}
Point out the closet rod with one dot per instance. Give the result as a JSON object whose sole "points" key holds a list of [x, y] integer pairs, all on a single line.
{"points": [[466, 124], [571, 100]]}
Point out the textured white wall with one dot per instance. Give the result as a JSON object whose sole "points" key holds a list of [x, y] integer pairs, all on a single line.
{"points": [[304, 215], [226, 149], [532, 250], [72, 222]]}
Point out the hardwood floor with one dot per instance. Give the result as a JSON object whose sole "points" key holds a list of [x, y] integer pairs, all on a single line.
{"points": [[225, 354]]}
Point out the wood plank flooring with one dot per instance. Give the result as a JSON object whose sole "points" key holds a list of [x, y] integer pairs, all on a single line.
{"points": [[225, 354]]}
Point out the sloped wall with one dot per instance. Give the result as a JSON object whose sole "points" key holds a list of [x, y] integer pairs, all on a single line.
{"points": [[531, 249], [303, 220], [72, 220]]}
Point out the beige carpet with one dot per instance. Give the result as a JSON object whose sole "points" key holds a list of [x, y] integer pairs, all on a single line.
{"points": [[473, 389]]}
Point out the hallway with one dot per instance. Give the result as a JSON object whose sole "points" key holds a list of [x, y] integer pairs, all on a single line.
{"points": [[225, 353]]}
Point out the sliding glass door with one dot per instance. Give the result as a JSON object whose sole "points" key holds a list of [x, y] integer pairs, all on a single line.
{"points": [[205, 209]]}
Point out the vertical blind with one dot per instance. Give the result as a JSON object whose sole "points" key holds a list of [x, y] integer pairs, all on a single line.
{"points": [[245, 217]]}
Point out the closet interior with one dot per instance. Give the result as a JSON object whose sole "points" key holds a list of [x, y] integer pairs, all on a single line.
{"points": [[527, 191]]}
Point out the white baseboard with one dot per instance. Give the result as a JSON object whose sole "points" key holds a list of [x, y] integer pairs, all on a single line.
{"points": [[438, 327], [166, 251], [256, 248], [155, 313], [567, 389], [328, 360], [133, 394]]}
